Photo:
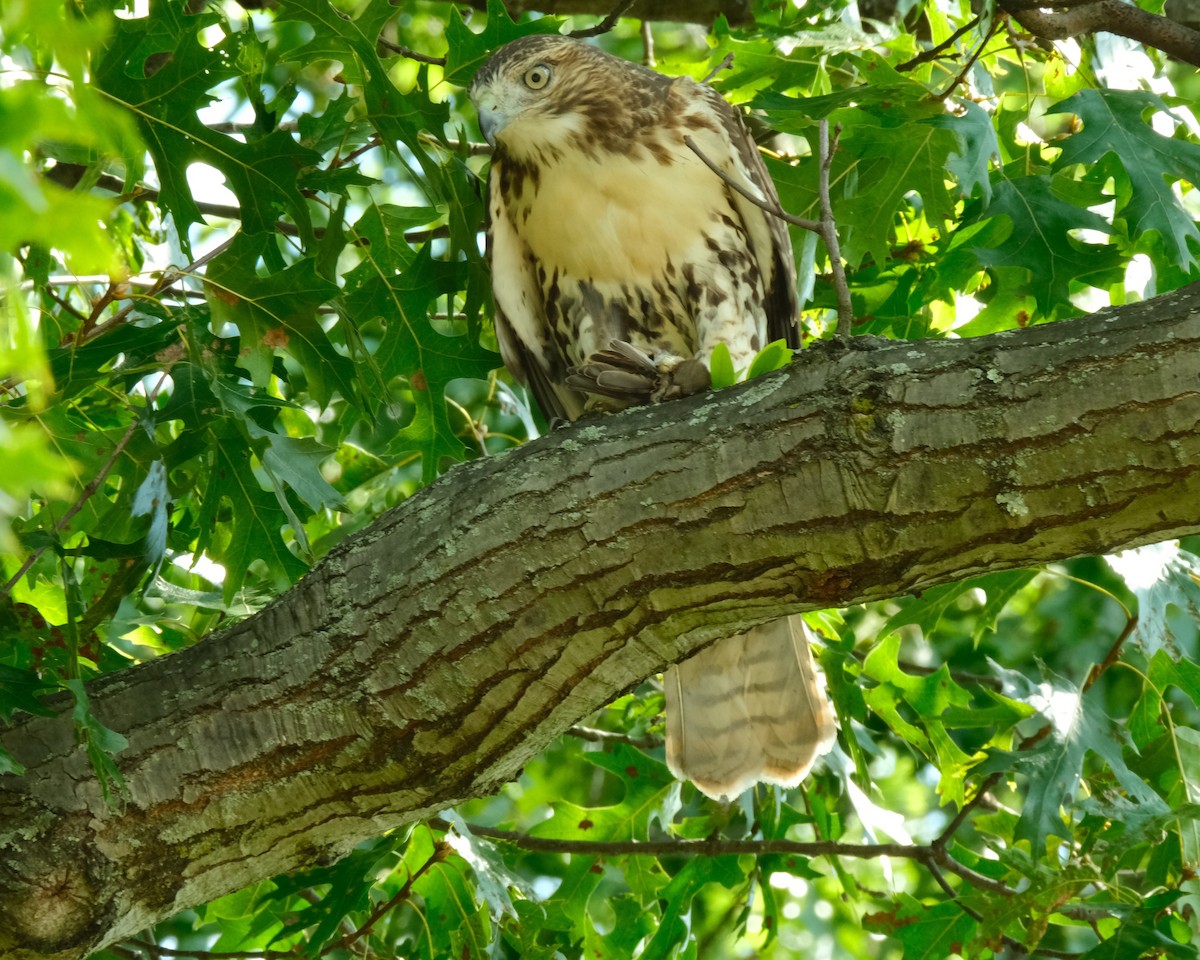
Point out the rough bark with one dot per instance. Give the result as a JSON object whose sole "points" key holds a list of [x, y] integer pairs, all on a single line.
{"points": [[685, 11], [1077, 18], [425, 660], [1173, 34]]}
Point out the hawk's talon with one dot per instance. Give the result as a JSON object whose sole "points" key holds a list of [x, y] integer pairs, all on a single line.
{"points": [[628, 375]]}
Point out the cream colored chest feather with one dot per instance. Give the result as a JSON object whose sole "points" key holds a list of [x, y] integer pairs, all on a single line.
{"points": [[620, 219]]}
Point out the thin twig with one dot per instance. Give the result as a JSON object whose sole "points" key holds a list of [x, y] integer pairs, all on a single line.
{"points": [[647, 44], [978, 51], [604, 25], [713, 847], [828, 231], [92, 486], [607, 736], [411, 54], [371, 144], [772, 208], [440, 852], [825, 228], [928, 855], [935, 52], [160, 951], [725, 64], [1114, 653]]}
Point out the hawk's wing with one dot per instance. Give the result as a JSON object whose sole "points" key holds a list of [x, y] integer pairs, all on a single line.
{"points": [[515, 282], [731, 147]]}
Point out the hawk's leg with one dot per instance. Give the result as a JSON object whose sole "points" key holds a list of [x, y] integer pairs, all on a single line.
{"points": [[623, 376]]}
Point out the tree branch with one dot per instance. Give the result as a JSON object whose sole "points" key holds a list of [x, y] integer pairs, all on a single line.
{"points": [[737, 12], [1111, 16], [605, 25], [424, 660]]}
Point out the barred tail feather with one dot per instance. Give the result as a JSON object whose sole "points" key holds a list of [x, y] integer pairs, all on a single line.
{"points": [[749, 708]]}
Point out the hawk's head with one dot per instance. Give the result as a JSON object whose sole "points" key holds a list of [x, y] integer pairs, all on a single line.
{"points": [[542, 92]]}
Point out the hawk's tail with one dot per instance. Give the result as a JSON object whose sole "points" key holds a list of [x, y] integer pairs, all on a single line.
{"points": [[749, 708]]}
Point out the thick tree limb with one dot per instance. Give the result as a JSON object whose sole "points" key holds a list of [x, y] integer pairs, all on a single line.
{"points": [[1058, 21], [425, 660], [686, 11], [1053, 21]]}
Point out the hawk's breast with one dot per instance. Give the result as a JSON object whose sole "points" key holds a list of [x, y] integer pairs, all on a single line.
{"points": [[620, 218]]}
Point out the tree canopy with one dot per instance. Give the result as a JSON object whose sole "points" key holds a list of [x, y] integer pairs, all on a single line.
{"points": [[245, 314]]}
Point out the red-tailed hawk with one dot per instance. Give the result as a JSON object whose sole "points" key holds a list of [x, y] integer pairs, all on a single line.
{"points": [[619, 261]]}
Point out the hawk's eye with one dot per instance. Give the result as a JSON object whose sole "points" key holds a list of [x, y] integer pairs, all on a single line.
{"points": [[537, 77]]}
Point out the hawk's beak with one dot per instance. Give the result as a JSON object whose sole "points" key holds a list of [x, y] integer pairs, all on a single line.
{"points": [[491, 121]]}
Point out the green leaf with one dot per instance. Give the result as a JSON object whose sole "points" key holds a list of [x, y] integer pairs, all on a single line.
{"points": [[23, 690], [102, 744], [1054, 767], [457, 930], [977, 145], [932, 932], [1161, 576], [720, 368], [467, 50], [679, 893], [1113, 123], [353, 42], [567, 910], [930, 696], [1164, 672], [158, 68], [1041, 242], [151, 499], [927, 610], [774, 356], [891, 158], [20, 690], [279, 311], [1134, 940], [297, 462], [398, 294], [350, 882], [253, 529], [648, 785], [493, 877]]}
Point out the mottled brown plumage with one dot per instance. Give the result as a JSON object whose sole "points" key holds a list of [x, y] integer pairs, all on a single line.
{"points": [[619, 261]]}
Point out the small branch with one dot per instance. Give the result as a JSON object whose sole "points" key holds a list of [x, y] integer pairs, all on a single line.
{"points": [[604, 25], [975, 55], [473, 147], [1110, 16], [700, 848], [828, 231], [1114, 653], [826, 227], [929, 856], [440, 852], [92, 486], [159, 951], [647, 44], [725, 64], [773, 209], [934, 52], [607, 736], [737, 12], [370, 145], [65, 175], [411, 54]]}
